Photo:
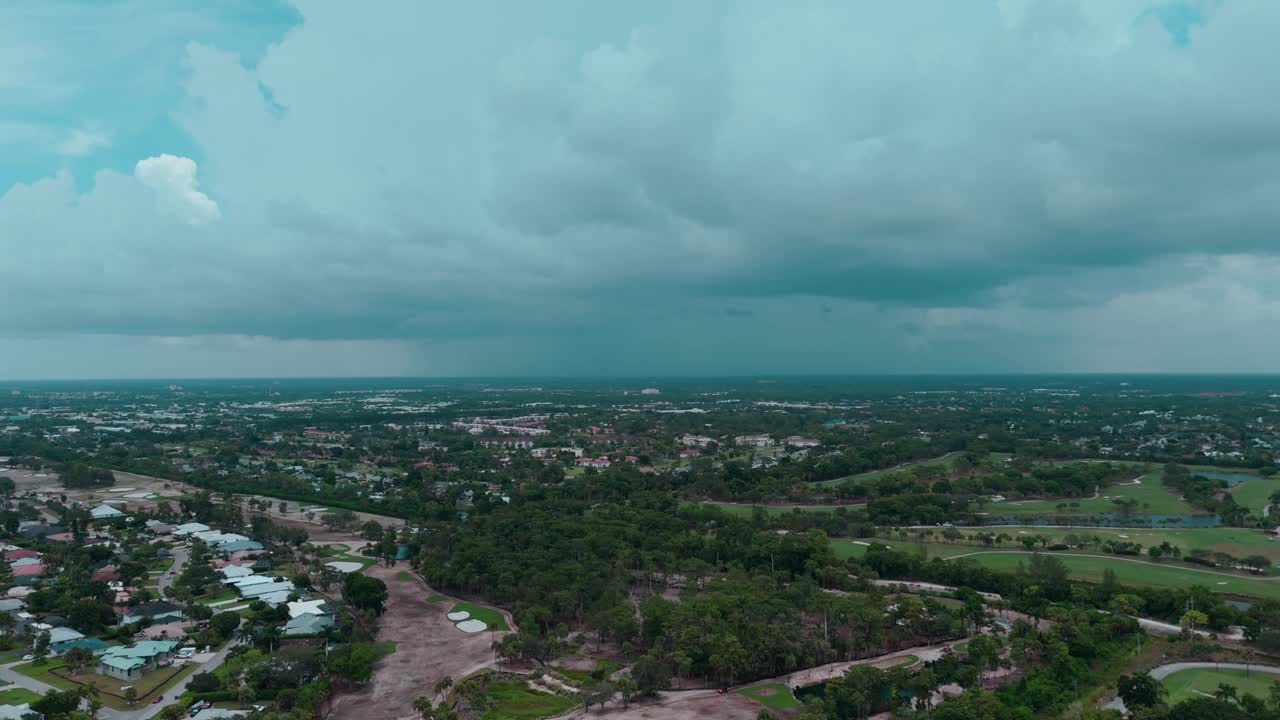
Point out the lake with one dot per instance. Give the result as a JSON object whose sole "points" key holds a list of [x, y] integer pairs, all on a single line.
{"points": [[1230, 478]]}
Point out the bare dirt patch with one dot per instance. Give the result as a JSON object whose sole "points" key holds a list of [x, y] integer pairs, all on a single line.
{"points": [[428, 648]]}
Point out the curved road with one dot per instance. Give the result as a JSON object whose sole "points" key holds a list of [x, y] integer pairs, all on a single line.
{"points": [[1164, 671]]}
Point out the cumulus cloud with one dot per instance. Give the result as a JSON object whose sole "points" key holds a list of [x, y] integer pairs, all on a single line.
{"points": [[173, 180], [920, 180]]}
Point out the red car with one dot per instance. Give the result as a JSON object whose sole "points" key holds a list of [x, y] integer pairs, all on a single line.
{"points": [[157, 699]]}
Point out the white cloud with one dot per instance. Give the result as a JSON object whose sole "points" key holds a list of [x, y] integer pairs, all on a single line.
{"points": [[173, 179], [82, 142]]}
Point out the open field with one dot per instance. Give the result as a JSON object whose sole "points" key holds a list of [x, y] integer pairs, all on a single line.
{"points": [[872, 475], [1253, 494], [1237, 542], [1150, 495], [773, 695], [1188, 684], [745, 509], [1090, 568]]}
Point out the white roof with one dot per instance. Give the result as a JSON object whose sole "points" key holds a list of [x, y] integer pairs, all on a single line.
{"points": [[306, 607], [188, 528], [216, 537], [275, 598], [63, 634], [235, 571], [251, 580], [255, 591], [105, 511]]}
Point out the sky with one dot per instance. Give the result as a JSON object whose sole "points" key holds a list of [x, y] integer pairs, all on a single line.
{"points": [[571, 187]]}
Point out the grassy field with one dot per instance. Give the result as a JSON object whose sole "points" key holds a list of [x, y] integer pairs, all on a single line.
{"points": [[1188, 684], [744, 510], [1090, 567], [1237, 542], [1151, 497], [488, 616], [404, 576], [1253, 494], [772, 695], [514, 700], [437, 598], [1130, 572], [18, 696], [861, 477]]}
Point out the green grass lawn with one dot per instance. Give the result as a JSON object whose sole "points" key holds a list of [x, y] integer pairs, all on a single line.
{"points": [[1091, 568], [872, 475], [1151, 497], [384, 647], [515, 700], [1253, 494], [488, 616], [437, 598], [772, 695], [18, 696], [1188, 684], [773, 510], [219, 597], [604, 667], [1237, 542], [404, 576]]}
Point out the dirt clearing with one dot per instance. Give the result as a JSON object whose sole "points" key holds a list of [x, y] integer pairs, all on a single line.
{"points": [[428, 648]]}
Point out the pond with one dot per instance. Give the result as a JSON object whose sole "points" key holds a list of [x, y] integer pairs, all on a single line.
{"points": [[1230, 478], [1108, 520]]}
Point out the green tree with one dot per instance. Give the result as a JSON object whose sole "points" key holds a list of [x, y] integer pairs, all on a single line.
{"points": [[1140, 690]]}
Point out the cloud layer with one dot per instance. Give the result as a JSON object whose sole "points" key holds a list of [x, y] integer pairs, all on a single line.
{"points": [[887, 185]]}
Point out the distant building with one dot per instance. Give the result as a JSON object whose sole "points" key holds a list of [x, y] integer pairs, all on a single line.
{"points": [[105, 512], [758, 441], [800, 442]]}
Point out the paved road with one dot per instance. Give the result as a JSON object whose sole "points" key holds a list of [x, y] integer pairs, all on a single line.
{"points": [[1164, 671], [179, 559]]}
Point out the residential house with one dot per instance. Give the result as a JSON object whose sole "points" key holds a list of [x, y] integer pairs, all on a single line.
{"points": [[129, 662], [105, 512], [305, 625], [154, 610]]}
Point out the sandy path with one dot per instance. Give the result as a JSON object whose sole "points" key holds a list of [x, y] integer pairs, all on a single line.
{"points": [[428, 648]]}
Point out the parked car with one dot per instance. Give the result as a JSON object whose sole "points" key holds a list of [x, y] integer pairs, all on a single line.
{"points": [[28, 658], [157, 699]]}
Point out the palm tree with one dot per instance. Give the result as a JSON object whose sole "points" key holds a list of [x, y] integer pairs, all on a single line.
{"points": [[1226, 693]]}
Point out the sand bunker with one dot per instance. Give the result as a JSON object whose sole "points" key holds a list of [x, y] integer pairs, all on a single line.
{"points": [[459, 615], [345, 567], [472, 626]]}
